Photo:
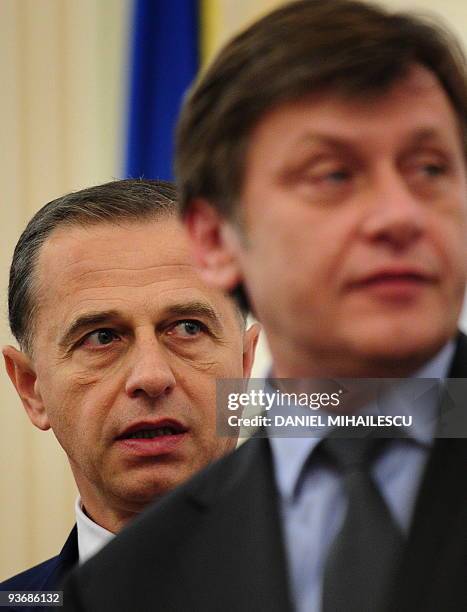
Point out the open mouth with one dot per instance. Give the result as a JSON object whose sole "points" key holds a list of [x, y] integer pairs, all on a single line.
{"points": [[149, 432], [145, 434]]}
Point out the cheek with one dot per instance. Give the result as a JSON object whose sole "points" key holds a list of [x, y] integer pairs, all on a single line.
{"points": [[209, 359], [450, 241], [230, 364], [67, 417], [298, 242], [76, 407], [199, 387]]}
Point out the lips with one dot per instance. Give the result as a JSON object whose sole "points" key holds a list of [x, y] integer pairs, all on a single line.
{"points": [[391, 276], [146, 430], [150, 439]]}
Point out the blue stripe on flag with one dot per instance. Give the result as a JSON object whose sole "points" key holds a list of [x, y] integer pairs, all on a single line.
{"points": [[164, 62]]}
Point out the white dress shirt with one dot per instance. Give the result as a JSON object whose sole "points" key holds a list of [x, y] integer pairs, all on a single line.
{"points": [[91, 536]]}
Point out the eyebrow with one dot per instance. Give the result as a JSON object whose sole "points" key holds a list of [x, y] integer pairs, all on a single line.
{"points": [[319, 138], [194, 308], [86, 321], [419, 135]]}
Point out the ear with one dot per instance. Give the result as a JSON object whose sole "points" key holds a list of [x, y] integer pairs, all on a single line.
{"points": [[250, 340], [23, 376], [215, 245]]}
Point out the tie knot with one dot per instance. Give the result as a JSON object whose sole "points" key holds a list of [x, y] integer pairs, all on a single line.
{"points": [[356, 452]]}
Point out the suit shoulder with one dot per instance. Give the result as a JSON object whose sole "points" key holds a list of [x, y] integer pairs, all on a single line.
{"points": [[49, 574], [32, 578], [177, 515]]}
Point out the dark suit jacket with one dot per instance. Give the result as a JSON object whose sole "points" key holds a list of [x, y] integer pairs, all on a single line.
{"points": [[49, 575], [215, 544]]}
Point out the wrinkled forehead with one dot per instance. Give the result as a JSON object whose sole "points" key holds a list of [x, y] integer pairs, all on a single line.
{"points": [[73, 253], [118, 266]]}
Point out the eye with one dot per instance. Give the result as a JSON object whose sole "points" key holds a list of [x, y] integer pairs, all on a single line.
{"points": [[433, 169], [328, 175], [337, 176], [188, 328], [100, 337], [429, 165]]}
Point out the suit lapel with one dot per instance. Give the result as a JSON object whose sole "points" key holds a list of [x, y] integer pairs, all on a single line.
{"points": [[65, 561], [238, 540]]}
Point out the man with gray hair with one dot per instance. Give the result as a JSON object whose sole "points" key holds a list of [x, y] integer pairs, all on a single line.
{"points": [[321, 166], [121, 343]]}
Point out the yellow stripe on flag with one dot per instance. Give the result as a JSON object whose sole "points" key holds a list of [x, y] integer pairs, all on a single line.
{"points": [[210, 28]]}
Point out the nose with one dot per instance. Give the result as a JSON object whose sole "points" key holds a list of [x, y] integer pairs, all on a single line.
{"points": [[150, 374], [397, 214]]}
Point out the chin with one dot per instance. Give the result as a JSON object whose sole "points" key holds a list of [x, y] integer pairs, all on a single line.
{"points": [[138, 498], [140, 492], [406, 351]]}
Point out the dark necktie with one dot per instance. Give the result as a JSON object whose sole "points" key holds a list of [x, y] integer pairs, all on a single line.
{"points": [[363, 557]]}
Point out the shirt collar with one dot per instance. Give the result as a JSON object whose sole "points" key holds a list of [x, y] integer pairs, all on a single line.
{"points": [[290, 454], [91, 536]]}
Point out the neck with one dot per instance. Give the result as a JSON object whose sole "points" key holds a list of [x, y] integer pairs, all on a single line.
{"points": [[111, 520], [295, 363], [105, 509]]}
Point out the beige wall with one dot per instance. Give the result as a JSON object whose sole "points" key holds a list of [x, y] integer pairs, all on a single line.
{"points": [[62, 71], [228, 16]]}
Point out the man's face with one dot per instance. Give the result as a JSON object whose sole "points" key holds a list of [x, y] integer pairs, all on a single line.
{"points": [[354, 219], [128, 344]]}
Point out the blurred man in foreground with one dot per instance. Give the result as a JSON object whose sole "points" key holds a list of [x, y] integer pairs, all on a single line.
{"points": [[121, 344], [321, 161]]}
